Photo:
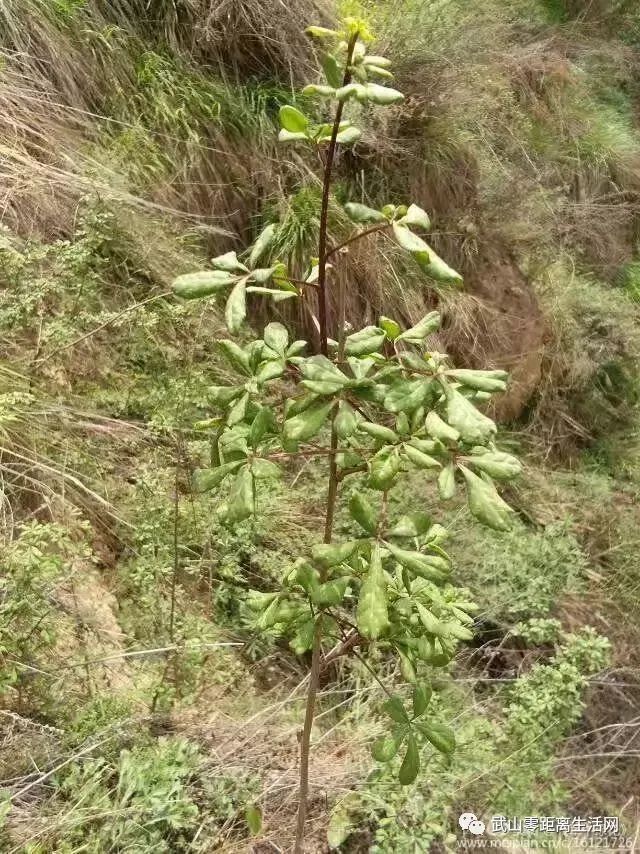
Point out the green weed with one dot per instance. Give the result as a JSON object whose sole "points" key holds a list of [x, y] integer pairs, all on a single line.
{"points": [[523, 573]]}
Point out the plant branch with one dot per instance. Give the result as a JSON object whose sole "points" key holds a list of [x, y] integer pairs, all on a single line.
{"points": [[372, 672], [324, 210], [381, 226], [305, 742], [351, 640], [332, 491]]}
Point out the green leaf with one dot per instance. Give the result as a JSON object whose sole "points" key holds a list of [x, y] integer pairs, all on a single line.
{"points": [[276, 295], [349, 136], [405, 396], [427, 446], [423, 461], [262, 244], [264, 422], [253, 816], [380, 72], [378, 432], [481, 380], [394, 707], [206, 479], [330, 593], [363, 513], [229, 262], [462, 415], [417, 218], [383, 469], [386, 747], [276, 337], [232, 445], [223, 395], [406, 667], [403, 427], [379, 61], [323, 91], [441, 736], [391, 328], [341, 825], [296, 348], [495, 463], [264, 469], [421, 697], [304, 426], [302, 640], [332, 554], [288, 136], [360, 366], [439, 429], [263, 274], [322, 32], [437, 534], [372, 617], [199, 285], [238, 411], [440, 271], [378, 94], [322, 369], [411, 525], [447, 482], [321, 387], [365, 341], [236, 308], [269, 616], [332, 70], [346, 421], [259, 600], [429, 324], [362, 214], [411, 243], [425, 566], [431, 623], [306, 576], [485, 503], [296, 405], [460, 632], [293, 120], [411, 763], [348, 91], [241, 497], [270, 370]]}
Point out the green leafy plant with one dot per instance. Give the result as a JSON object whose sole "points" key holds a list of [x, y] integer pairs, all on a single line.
{"points": [[141, 801], [33, 564], [373, 403]]}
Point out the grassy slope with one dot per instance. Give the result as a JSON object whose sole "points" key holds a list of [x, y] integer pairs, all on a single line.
{"points": [[536, 111]]}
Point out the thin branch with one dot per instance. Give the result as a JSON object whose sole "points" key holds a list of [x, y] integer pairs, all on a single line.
{"points": [[305, 742], [102, 326], [351, 640], [372, 672], [324, 210], [381, 226]]}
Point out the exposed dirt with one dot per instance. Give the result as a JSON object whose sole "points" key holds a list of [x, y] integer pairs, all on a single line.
{"points": [[92, 632], [501, 326]]}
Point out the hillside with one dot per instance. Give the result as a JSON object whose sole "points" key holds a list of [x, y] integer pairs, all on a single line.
{"points": [[141, 710]]}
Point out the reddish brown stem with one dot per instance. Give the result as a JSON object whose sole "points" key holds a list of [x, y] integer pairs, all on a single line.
{"points": [[324, 210], [332, 492], [305, 741]]}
